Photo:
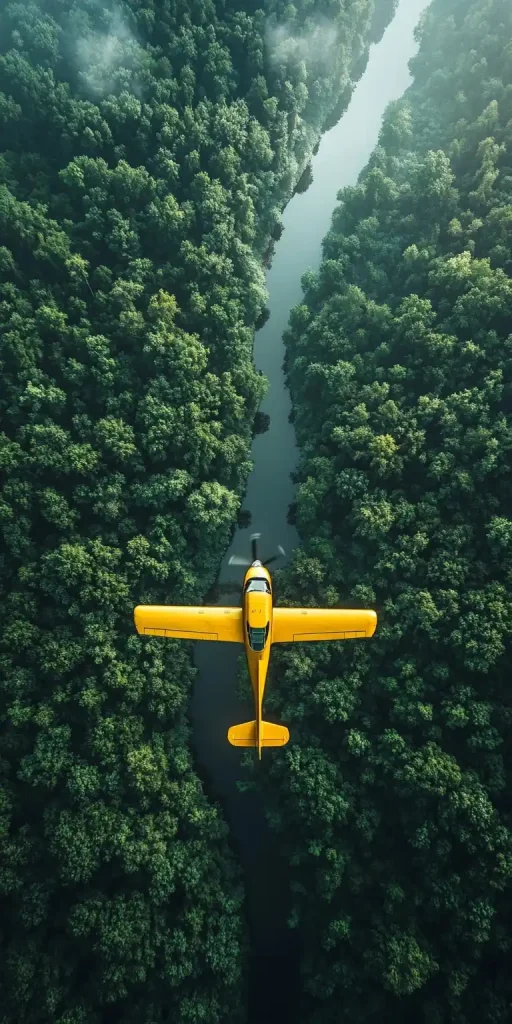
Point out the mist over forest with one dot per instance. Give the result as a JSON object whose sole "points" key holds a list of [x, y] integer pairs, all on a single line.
{"points": [[148, 149]]}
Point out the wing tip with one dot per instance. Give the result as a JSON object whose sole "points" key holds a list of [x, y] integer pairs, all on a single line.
{"points": [[372, 621]]}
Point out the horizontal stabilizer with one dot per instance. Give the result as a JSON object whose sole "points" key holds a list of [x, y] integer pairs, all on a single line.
{"points": [[274, 735], [245, 735]]}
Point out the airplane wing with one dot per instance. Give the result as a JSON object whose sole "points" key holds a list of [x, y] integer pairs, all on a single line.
{"points": [[190, 622], [304, 624]]}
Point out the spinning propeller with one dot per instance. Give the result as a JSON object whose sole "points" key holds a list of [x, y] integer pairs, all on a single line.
{"points": [[237, 560], [233, 586]]}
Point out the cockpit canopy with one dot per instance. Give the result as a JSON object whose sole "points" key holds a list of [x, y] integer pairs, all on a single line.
{"points": [[258, 584], [257, 637]]}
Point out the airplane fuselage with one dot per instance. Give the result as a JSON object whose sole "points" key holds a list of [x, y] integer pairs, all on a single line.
{"points": [[257, 606]]}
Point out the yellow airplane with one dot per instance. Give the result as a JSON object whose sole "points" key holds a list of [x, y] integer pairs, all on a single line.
{"points": [[257, 625]]}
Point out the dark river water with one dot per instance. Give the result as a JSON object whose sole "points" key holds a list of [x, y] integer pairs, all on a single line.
{"points": [[342, 154]]}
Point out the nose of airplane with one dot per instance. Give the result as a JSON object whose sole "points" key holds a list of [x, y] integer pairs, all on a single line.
{"points": [[256, 562]]}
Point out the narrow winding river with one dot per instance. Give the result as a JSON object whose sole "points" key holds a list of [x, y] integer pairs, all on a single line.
{"points": [[342, 154]]}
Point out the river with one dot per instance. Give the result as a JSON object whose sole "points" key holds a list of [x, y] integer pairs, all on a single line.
{"points": [[343, 153]]}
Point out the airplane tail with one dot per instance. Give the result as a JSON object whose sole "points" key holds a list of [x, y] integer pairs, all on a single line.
{"points": [[273, 735], [246, 735]]}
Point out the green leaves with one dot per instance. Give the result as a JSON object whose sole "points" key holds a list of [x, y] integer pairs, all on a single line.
{"points": [[404, 966], [116, 438], [83, 576], [212, 507]]}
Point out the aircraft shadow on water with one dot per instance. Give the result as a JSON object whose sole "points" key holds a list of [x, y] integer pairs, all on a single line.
{"points": [[257, 625]]}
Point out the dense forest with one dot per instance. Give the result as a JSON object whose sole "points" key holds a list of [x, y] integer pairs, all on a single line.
{"points": [[147, 151], [393, 798]]}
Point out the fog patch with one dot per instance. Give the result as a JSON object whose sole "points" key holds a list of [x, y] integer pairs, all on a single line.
{"points": [[312, 45], [110, 59]]}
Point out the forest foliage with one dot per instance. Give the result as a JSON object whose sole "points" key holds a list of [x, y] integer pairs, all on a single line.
{"points": [[147, 150], [393, 798]]}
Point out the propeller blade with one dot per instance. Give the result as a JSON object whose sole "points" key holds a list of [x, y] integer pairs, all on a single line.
{"points": [[275, 557], [238, 560], [254, 538]]}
